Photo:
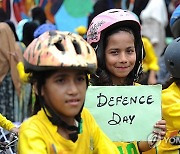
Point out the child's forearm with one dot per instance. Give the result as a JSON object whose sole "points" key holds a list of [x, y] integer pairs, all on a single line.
{"points": [[143, 146], [5, 123]]}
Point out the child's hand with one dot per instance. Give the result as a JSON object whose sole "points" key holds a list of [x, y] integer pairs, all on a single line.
{"points": [[15, 130], [159, 133], [161, 125]]}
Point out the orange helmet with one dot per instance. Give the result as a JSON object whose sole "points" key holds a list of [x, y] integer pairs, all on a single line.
{"points": [[55, 49]]}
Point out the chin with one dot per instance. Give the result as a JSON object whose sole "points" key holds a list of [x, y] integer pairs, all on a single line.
{"points": [[122, 75]]}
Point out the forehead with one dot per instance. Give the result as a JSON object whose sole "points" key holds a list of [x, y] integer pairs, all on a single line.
{"points": [[68, 71], [122, 32], [121, 37]]}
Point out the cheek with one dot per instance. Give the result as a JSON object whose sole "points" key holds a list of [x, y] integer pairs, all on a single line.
{"points": [[133, 59], [83, 89], [109, 60]]}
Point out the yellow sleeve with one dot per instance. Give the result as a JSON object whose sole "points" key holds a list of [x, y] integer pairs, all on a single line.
{"points": [[6, 124], [30, 141], [102, 144], [22, 75], [171, 106], [150, 61]]}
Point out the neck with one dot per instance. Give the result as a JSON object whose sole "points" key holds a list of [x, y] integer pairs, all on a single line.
{"points": [[118, 81], [69, 120], [65, 132]]}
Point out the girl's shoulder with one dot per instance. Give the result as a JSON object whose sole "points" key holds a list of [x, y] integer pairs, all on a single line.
{"points": [[173, 88], [37, 121]]}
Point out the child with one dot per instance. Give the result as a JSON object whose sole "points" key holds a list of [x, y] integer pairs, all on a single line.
{"points": [[59, 63], [171, 100], [163, 74], [116, 36]]}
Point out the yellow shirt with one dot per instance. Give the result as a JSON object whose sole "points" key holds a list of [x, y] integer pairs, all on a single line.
{"points": [[38, 135], [150, 61], [6, 124], [171, 113]]}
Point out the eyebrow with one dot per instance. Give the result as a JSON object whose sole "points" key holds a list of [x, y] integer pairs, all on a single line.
{"points": [[131, 47], [66, 74]]}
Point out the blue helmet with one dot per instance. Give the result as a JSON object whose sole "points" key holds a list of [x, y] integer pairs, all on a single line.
{"points": [[175, 22], [175, 15], [43, 28]]}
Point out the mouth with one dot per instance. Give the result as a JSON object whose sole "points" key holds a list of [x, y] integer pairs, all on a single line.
{"points": [[73, 102], [122, 67]]}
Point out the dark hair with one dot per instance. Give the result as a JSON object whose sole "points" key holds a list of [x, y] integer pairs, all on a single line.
{"points": [[38, 15], [28, 32], [102, 76], [39, 78], [3, 15]]}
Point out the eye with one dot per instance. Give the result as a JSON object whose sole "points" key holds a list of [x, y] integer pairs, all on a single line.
{"points": [[114, 52], [81, 78], [130, 51], [60, 80]]}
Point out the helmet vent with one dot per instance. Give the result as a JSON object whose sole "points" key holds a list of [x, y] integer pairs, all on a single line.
{"points": [[59, 46], [52, 33], [113, 11], [88, 49], [76, 47], [171, 64]]}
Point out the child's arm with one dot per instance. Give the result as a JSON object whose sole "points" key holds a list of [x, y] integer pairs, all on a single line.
{"points": [[6, 124], [15, 130], [147, 145]]}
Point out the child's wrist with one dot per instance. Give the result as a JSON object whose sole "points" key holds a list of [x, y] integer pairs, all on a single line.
{"points": [[152, 144]]}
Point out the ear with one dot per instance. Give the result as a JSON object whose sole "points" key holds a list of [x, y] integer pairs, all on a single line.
{"points": [[35, 89]]}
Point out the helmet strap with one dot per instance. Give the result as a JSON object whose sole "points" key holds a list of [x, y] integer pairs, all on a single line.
{"points": [[56, 120]]}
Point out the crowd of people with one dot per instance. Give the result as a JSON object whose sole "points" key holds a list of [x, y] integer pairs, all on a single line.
{"points": [[45, 73]]}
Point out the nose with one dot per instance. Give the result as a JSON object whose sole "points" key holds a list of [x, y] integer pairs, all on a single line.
{"points": [[72, 88], [122, 57]]}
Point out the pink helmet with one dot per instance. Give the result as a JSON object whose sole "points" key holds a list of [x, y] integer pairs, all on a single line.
{"points": [[110, 20]]}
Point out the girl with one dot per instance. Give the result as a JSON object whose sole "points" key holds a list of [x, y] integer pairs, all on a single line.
{"points": [[171, 100], [116, 36], [59, 63]]}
